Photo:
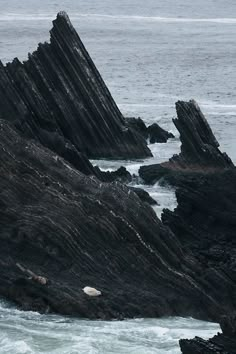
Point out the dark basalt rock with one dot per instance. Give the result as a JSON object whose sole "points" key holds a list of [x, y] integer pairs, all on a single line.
{"points": [[153, 132], [75, 231], [58, 98], [144, 196], [120, 175], [157, 134], [205, 223], [205, 219], [138, 125], [199, 148], [199, 145], [222, 343]]}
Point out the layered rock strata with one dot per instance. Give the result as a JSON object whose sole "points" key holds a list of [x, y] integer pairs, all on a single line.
{"points": [[199, 154], [75, 231], [58, 98]]}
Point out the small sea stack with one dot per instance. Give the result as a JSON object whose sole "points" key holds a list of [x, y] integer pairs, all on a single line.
{"points": [[200, 153], [154, 133]]}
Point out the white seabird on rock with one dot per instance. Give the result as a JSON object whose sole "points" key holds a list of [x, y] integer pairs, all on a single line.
{"points": [[91, 291]]}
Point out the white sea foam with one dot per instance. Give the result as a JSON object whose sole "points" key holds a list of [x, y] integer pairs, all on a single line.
{"points": [[38, 334]]}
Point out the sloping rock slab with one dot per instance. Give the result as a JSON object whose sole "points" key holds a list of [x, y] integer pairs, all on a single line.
{"points": [[71, 231], [58, 97]]}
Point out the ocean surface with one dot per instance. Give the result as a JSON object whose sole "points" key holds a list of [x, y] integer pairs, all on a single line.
{"points": [[151, 54]]}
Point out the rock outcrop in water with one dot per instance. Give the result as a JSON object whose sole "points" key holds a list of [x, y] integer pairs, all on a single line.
{"points": [[200, 152], [222, 343], [58, 98], [154, 133], [75, 231]]}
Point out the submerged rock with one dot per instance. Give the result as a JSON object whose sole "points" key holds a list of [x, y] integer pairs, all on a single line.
{"points": [[58, 98], [75, 230], [199, 154]]}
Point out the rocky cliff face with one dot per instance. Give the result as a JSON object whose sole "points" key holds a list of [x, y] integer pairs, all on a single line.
{"points": [[59, 98], [75, 231]]}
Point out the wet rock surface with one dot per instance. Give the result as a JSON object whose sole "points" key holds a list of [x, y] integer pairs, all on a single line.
{"points": [[222, 343], [154, 133]]}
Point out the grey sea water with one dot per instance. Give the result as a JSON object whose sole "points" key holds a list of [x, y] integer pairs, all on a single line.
{"points": [[150, 53]]}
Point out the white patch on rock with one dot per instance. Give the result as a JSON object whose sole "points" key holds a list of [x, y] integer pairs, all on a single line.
{"points": [[91, 291]]}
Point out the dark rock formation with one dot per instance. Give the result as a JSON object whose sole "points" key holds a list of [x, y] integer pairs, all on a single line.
{"points": [[138, 125], [205, 223], [205, 219], [75, 231], [153, 132], [222, 343], [120, 175], [59, 98], [156, 134], [144, 196], [199, 148]]}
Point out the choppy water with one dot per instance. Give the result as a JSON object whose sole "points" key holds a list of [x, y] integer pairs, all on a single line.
{"points": [[150, 53], [29, 332]]}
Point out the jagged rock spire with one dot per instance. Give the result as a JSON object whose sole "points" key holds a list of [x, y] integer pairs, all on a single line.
{"points": [[199, 145], [200, 151], [59, 91]]}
